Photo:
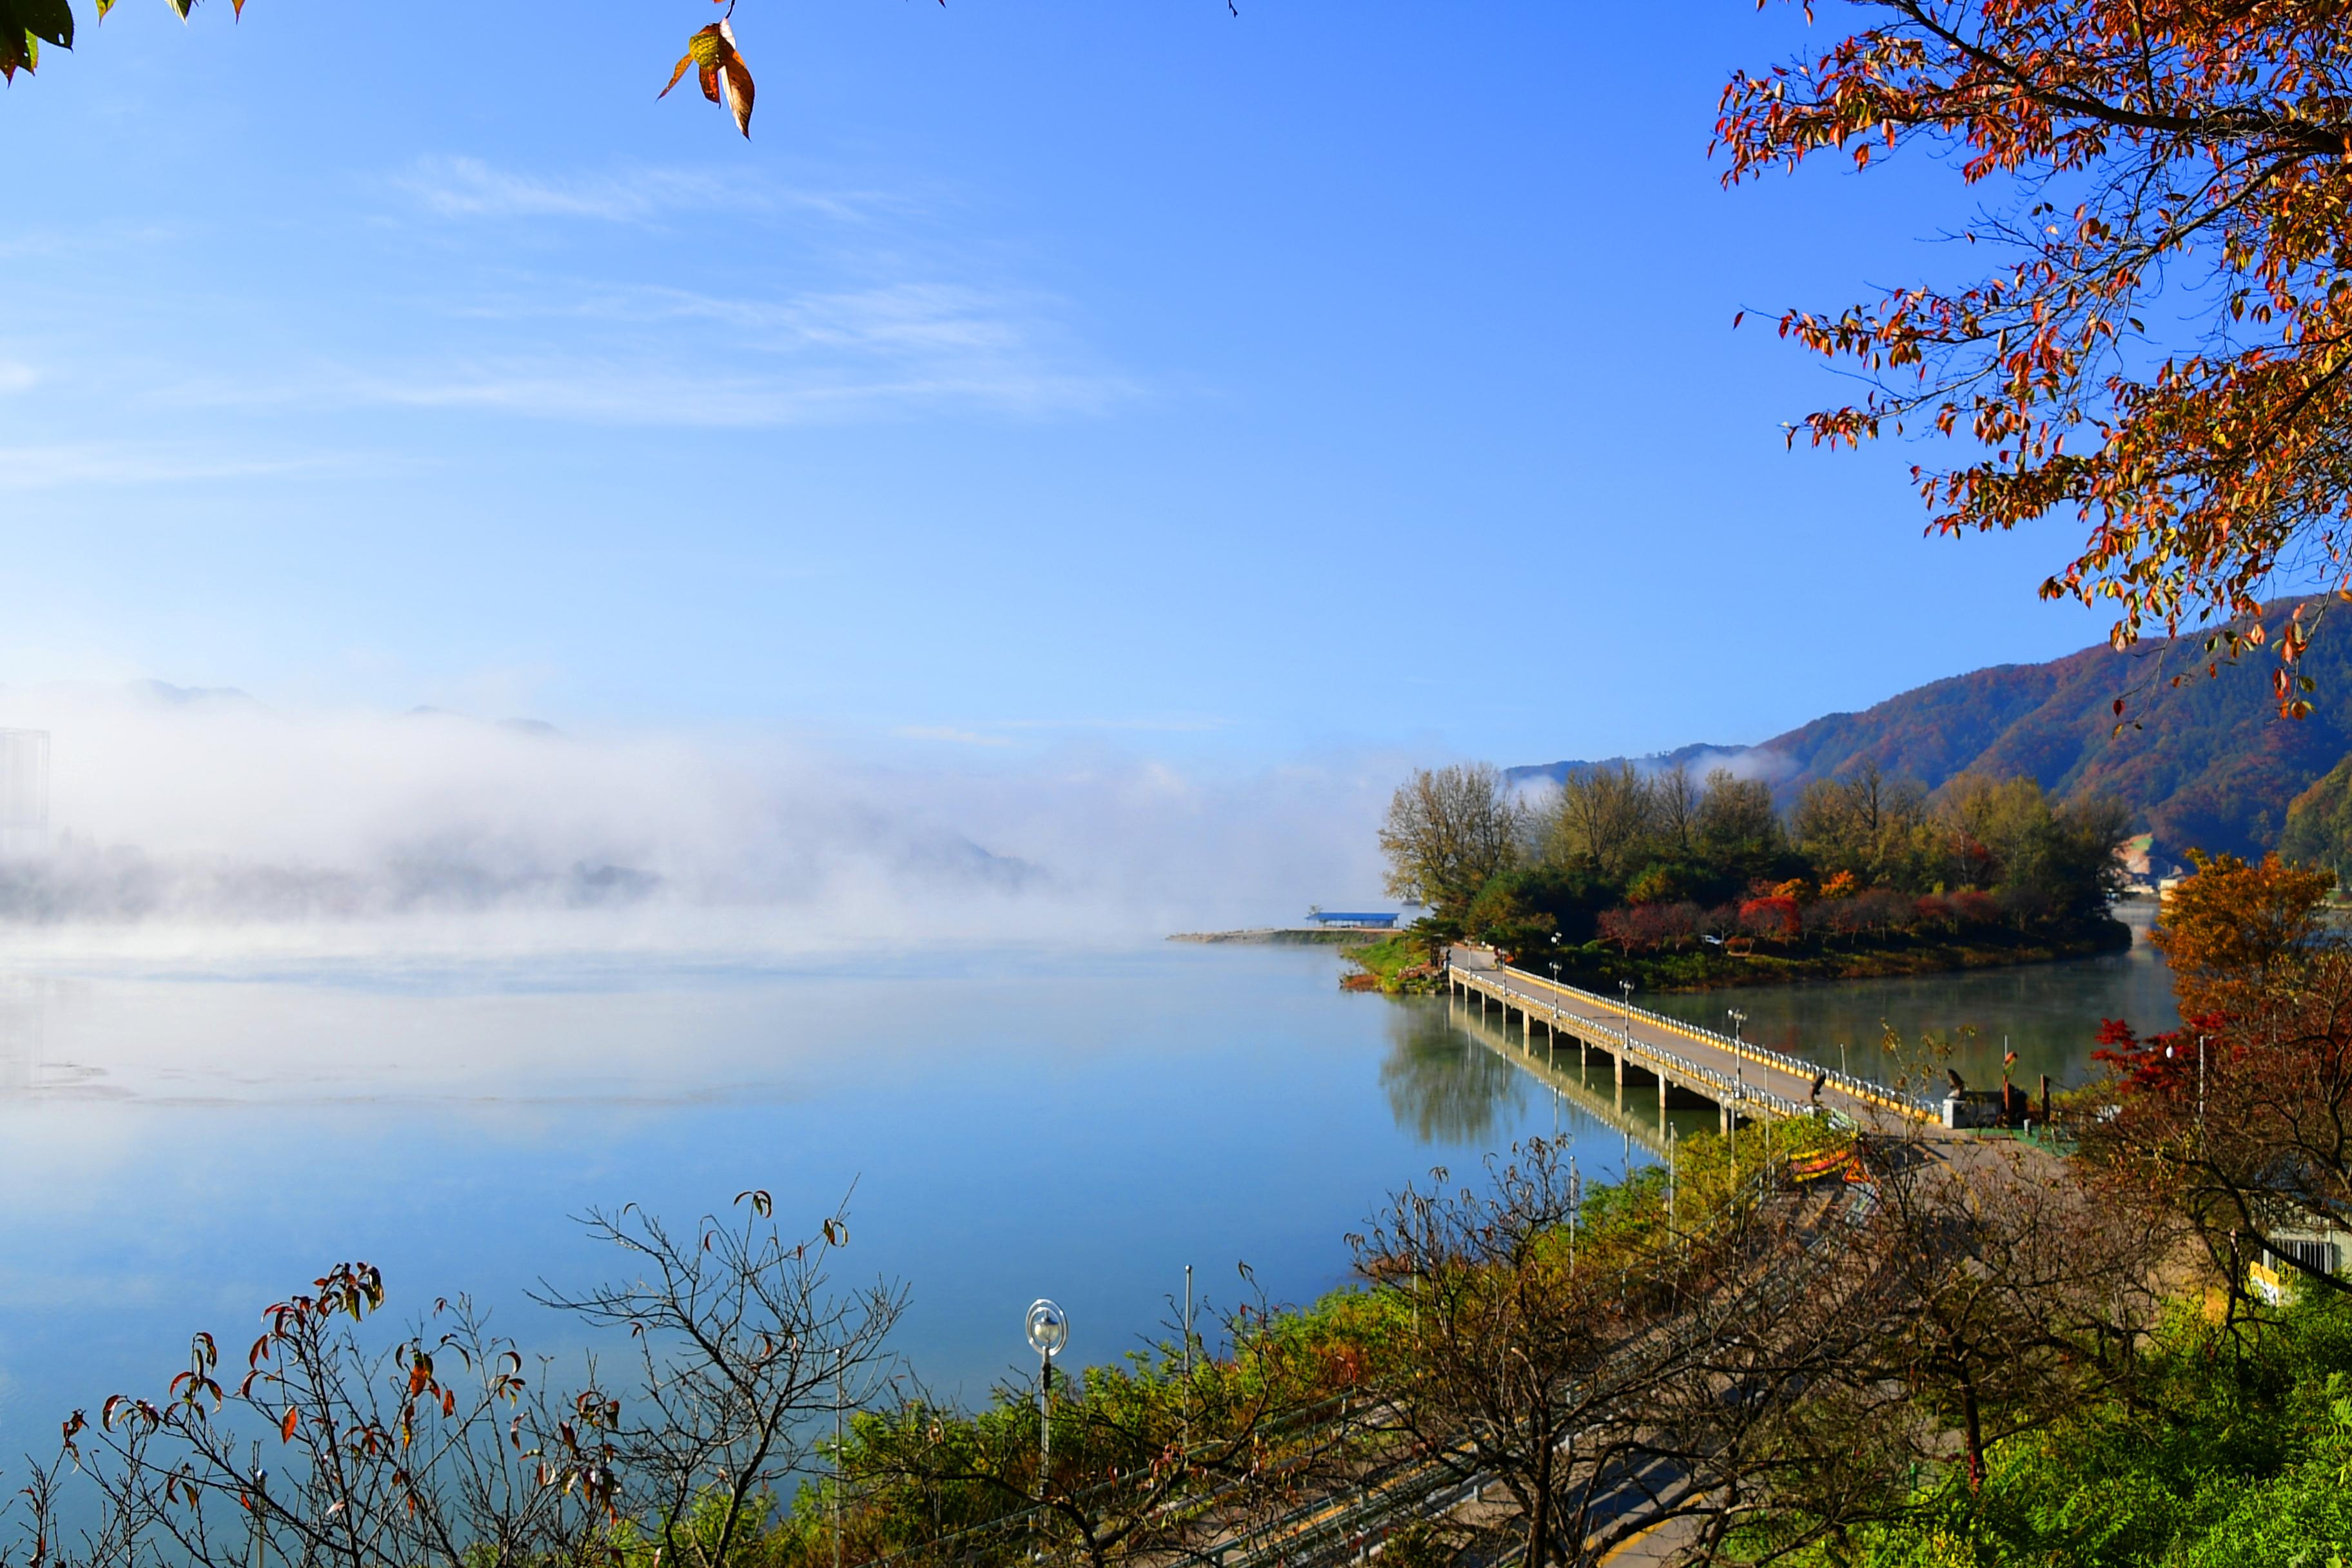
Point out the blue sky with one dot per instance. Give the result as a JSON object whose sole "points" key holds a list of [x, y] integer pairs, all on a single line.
{"points": [[1040, 373]]}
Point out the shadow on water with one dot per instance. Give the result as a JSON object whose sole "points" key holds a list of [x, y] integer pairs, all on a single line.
{"points": [[1444, 1087]]}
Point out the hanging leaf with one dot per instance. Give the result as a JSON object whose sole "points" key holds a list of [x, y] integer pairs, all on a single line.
{"points": [[724, 78]]}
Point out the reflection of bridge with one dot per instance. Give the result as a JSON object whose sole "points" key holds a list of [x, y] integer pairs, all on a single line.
{"points": [[1571, 1075], [1743, 1081]]}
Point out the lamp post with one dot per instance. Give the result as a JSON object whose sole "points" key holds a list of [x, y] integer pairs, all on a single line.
{"points": [[1551, 1041], [1049, 1330], [1626, 987], [1740, 1080], [1187, 1358], [839, 1359]]}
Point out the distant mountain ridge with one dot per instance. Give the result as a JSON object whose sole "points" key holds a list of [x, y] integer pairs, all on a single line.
{"points": [[2210, 764]]}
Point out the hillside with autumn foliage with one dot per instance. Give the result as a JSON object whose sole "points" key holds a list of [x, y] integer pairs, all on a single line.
{"points": [[2206, 764]]}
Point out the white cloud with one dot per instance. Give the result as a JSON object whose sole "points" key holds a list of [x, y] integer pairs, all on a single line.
{"points": [[463, 187], [17, 377]]}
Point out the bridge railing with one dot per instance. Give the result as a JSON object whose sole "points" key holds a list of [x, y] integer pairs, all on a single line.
{"points": [[1860, 1088]]}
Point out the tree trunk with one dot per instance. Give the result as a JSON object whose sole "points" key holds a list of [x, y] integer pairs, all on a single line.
{"points": [[1972, 1431], [1540, 1512]]}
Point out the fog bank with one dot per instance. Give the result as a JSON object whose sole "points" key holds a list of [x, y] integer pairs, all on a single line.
{"points": [[210, 813]]}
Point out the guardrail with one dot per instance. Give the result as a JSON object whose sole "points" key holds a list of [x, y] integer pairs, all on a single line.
{"points": [[1763, 1056]]}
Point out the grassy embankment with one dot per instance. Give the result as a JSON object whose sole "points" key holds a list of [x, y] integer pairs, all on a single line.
{"points": [[1396, 964], [1388, 965], [2234, 1450]]}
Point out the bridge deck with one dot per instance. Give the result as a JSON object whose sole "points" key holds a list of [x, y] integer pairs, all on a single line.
{"points": [[1674, 1055]]}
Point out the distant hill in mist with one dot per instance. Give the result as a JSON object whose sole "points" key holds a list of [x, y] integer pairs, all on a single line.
{"points": [[2210, 764]]}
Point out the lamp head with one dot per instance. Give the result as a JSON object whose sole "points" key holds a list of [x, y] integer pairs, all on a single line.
{"points": [[1049, 1328]]}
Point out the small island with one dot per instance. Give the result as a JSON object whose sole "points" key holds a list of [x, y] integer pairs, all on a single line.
{"points": [[1685, 884]]}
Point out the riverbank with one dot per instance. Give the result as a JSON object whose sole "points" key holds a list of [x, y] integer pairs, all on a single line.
{"points": [[1396, 964], [1300, 936]]}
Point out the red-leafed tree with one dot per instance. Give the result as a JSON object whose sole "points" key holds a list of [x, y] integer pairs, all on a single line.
{"points": [[1774, 918], [2162, 343], [2242, 1119]]}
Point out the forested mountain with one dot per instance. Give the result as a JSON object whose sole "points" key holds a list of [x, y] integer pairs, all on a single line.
{"points": [[2208, 763]]}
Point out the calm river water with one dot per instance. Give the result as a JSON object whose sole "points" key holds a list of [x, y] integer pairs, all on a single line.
{"points": [[179, 1147]]}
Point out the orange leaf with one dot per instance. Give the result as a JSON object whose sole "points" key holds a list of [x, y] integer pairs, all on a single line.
{"points": [[719, 71]]}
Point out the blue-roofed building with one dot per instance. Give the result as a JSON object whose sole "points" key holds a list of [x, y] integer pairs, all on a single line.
{"points": [[1339, 918]]}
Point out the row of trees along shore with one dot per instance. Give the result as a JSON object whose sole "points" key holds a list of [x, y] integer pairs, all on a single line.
{"points": [[1811, 1343], [1617, 863]]}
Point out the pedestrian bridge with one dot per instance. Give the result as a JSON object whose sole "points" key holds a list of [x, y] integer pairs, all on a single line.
{"points": [[1681, 1063]]}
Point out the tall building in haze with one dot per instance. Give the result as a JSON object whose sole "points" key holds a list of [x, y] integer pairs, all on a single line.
{"points": [[23, 792]]}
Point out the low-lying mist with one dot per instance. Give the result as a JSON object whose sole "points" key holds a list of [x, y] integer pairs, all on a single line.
{"points": [[183, 816]]}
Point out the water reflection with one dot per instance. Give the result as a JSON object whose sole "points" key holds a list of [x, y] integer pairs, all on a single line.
{"points": [[1441, 1085], [1586, 1101]]}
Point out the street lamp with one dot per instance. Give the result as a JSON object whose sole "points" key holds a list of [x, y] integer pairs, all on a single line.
{"points": [[1049, 1330], [260, 1482], [1739, 1081], [1551, 1037], [1626, 986]]}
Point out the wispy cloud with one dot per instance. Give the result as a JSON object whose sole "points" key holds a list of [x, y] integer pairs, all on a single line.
{"points": [[904, 318], [617, 389], [44, 466], [952, 736], [869, 311], [602, 353], [1169, 726], [463, 187]]}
